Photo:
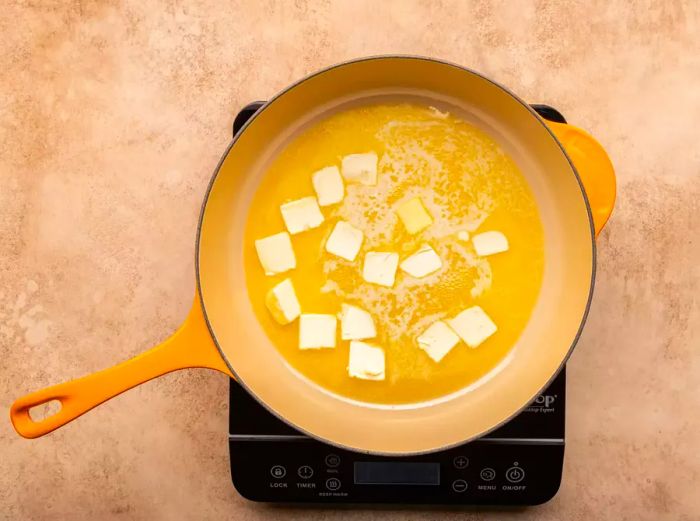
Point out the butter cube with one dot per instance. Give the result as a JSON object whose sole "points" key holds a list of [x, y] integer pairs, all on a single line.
{"points": [[463, 235], [316, 331], [414, 216], [282, 302], [490, 243], [344, 241], [437, 340], [422, 263], [328, 184], [356, 323], [380, 267], [276, 254], [360, 168], [473, 325], [301, 215], [366, 361]]}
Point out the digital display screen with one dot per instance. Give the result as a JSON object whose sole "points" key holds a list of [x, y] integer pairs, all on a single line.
{"points": [[396, 473]]}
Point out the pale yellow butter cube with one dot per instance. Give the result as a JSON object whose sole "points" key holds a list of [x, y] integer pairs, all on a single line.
{"points": [[414, 216], [490, 243], [473, 325], [366, 361], [380, 267], [328, 184], [317, 331], [356, 323], [276, 253], [282, 302], [422, 263], [360, 168], [301, 215], [344, 241], [437, 340]]}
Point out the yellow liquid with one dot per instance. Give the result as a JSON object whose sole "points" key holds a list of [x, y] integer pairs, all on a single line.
{"points": [[467, 183]]}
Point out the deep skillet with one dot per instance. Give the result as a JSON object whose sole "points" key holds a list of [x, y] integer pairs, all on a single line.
{"points": [[574, 186]]}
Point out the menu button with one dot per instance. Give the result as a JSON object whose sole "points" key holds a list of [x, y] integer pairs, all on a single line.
{"points": [[487, 474]]}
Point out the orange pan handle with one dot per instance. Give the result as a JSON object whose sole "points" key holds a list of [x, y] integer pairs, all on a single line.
{"points": [[190, 346], [594, 168]]}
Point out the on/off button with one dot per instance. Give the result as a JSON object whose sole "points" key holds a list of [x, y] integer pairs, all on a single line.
{"points": [[515, 474]]}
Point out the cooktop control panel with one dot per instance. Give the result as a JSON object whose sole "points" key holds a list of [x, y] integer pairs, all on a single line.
{"points": [[477, 473], [520, 463]]}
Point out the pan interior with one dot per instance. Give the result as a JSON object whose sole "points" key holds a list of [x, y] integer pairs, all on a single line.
{"points": [[465, 182], [554, 323]]}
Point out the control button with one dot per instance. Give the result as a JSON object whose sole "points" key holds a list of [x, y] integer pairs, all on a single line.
{"points": [[459, 485], [487, 474], [332, 484], [460, 462], [332, 460], [305, 472], [278, 472], [515, 474]]}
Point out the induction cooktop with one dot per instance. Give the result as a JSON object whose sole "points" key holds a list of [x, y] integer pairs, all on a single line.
{"points": [[520, 463]]}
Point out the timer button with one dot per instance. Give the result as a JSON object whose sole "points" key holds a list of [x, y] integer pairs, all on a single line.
{"points": [[305, 472]]}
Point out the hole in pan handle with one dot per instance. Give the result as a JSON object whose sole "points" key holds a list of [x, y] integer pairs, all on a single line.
{"points": [[190, 346]]}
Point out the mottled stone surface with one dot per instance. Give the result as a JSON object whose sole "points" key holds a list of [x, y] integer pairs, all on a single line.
{"points": [[112, 118]]}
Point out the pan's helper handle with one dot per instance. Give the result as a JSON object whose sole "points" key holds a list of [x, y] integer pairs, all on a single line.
{"points": [[190, 346], [594, 168]]}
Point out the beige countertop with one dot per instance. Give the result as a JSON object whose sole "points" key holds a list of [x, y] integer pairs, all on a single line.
{"points": [[113, 116]]}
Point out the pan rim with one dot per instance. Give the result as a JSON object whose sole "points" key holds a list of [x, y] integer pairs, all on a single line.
{"points": [[215, 174]]}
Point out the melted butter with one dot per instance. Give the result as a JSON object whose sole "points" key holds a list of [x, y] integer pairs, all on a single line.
{"points": [[466, 182]]}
